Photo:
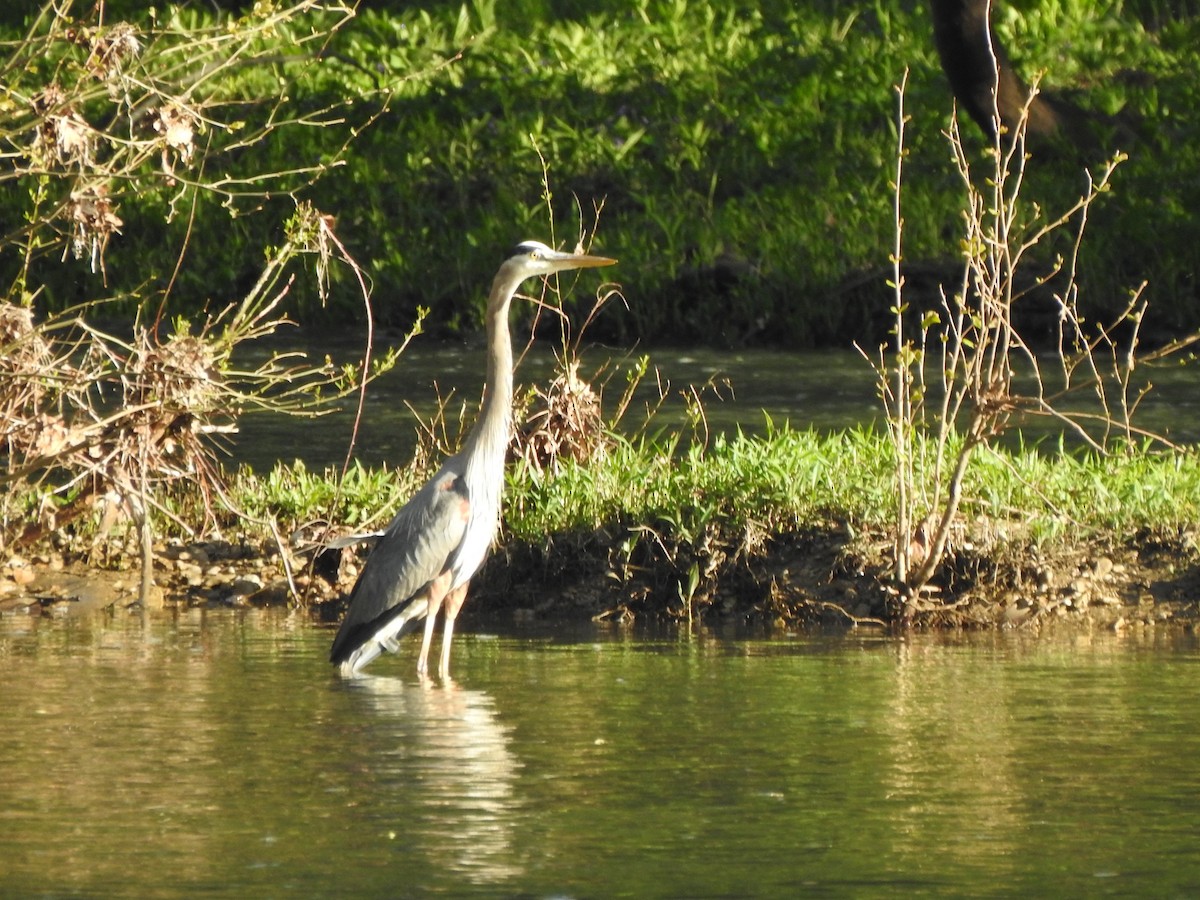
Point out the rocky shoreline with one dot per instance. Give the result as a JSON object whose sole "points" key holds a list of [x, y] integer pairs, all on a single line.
{"points": [[813, 578]]}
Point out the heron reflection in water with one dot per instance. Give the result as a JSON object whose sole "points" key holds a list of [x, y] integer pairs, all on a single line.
{"points": [[440, 537], [448, 740]]}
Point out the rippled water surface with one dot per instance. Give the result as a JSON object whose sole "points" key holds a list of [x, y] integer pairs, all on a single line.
{"points": [[825, 390], [217, 754], [819, 389]]}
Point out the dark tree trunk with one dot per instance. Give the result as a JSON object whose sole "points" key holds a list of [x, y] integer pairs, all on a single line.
{"points": [[975, 64]]}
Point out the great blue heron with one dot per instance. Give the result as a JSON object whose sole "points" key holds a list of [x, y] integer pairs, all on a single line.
{"points": [[440, 537]]}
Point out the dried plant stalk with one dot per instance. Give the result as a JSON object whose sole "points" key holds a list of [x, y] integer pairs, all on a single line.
{"points": [[947, 382]]}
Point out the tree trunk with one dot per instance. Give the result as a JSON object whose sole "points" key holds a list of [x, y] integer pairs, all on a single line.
{"points": [[978, 67]]}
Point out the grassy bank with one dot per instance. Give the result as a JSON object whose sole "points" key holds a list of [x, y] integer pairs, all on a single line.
{"points": [[742, 153], [648, 530], [793, 527], [786, 480], [749, 160]]}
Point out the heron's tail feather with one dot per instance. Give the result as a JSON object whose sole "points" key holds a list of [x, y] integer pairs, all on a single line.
{"points": [[360, 658], [357, 649]]}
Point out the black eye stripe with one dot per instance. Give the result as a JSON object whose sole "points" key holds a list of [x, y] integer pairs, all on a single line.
{"points": [[528, 250]]}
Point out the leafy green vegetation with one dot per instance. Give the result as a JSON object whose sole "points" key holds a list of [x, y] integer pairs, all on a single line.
{"points": [[738, 158], [792, 479], [291, 493], [786, 481], [741, 151]]}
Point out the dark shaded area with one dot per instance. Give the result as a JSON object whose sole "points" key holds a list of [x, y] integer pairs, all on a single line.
{"points": [[985, 83], [818, 576], [1155, 14]]}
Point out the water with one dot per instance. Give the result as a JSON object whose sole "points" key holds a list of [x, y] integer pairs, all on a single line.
{"points": [[217, 754], [825, 390]]}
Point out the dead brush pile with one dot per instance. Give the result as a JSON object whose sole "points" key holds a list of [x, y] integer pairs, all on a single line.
{"points": [[561, 422], [88, 419]]}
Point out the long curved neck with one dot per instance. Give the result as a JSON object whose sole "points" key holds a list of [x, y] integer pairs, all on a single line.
{"points": [[488, 440]]}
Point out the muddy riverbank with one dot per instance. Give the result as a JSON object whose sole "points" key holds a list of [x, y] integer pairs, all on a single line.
{"points": [[822, 577]]}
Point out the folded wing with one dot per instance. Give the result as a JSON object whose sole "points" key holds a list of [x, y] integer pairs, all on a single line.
{"points": [[390, 595]]}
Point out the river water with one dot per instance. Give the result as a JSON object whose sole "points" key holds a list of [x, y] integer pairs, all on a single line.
{"points": [[826, 390], [216, 754]]}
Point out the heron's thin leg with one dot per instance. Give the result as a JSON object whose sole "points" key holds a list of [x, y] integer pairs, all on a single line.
{"points": [[454, 602], [437, 592]]}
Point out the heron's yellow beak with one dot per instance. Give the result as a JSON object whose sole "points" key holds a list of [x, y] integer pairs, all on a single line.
{"points": [[587, 261], [564, 261]]}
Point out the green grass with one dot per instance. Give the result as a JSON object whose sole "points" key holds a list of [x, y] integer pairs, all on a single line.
{"points": [[755, 139], [785, 481], [364, 499]]}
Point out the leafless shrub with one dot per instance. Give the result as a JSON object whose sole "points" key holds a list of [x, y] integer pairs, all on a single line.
{"points": [[93, 113], [949, 384]]}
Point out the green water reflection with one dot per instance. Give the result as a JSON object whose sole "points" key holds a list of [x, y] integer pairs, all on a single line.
{"points": [[824, 390], [819, 389], [218, 754]]}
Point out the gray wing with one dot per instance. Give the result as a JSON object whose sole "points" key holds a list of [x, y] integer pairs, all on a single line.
{"points": [[412, 552]]}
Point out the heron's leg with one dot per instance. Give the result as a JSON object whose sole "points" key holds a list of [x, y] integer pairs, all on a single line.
{"points": [[454, 602], [437, 593]]}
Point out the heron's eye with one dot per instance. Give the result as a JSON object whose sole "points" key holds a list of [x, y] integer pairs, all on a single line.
{"points": [[534, 254]]}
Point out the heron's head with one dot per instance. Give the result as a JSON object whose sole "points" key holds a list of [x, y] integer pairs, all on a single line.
{"points": [[531, 258]]}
